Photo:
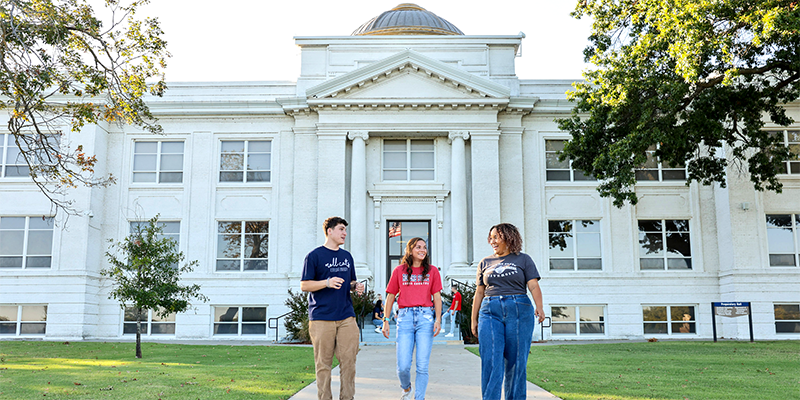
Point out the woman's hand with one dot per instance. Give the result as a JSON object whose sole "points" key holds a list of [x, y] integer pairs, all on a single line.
{"points": [[437, 326], [475, 327], [385, 329], [539, 313]]}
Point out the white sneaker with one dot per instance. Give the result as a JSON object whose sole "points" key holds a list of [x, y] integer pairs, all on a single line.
{"points": [[377, 330], [449, 335], [407, 395]]}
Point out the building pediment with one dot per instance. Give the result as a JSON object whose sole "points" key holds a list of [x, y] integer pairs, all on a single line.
{"points": [[408, 78]]}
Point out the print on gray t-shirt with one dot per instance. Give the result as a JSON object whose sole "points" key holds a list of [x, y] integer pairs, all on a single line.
{"points": [[506, 275]]}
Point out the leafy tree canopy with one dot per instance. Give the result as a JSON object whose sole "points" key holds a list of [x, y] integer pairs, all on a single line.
{"points": [[62, 67], [693, 79], [146, 270]]}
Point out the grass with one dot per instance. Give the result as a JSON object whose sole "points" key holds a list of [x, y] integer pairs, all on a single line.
{"points": [[80, 370], [668, 370]]}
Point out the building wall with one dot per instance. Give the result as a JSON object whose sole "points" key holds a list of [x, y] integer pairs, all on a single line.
{"points": [[443, 89]]}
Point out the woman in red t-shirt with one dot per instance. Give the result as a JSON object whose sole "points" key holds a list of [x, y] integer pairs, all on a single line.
{"points": [[420, 316]]}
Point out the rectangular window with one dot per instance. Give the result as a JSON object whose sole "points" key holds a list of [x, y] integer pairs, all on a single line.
{"points": [[12, 162], [23, 320], [240, 321], [158, 162], [669, 320], [783, 239], [787, 318], [655, 170], [242, 245], [790, 139], [665, 244], [575, 245], [560, 170], [26, 242], [169, 229], [408, 160], [578, 320], [152, 323], [245, 161]]}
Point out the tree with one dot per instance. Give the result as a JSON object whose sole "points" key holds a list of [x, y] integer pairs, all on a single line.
{"points": [[691, 80], [61, 67], [145, 270]]}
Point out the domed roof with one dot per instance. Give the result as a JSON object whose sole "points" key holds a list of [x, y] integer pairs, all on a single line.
{"points": [[407, 19]]}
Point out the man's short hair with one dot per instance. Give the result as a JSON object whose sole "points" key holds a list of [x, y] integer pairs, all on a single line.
{"points": [[331, 223]]}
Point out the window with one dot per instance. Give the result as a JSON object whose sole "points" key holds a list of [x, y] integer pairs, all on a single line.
{"points": [[242, 245], [23, 320], [669, 320], [575, 245], [160, 162], [787, 318], [227, 320], [783, 239], [169, 229], [12, 162], [560, 170], [245, 161], [408, 160], [792, 140], [152, 323], [664, 244], [655, 170], [26, 242], [578, 320]]}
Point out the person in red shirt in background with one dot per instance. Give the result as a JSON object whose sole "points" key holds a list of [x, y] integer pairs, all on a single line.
{"points": [[452, 312], [418, 285]]}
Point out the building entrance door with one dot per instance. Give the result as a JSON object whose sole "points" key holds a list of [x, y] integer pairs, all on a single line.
{"points": [[398, 235]]}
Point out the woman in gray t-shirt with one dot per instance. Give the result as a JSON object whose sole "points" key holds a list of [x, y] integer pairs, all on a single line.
{"points": [[502, 313]]}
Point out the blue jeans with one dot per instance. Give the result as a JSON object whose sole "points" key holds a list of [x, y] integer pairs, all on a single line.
{"points": [[505, 326], [447, 314], [414, 327]]}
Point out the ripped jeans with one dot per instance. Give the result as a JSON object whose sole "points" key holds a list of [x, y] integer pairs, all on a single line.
{"points": [[414, 328]]}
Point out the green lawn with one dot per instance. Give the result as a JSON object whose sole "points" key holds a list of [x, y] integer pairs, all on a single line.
{"points": [[79, 370], [669, 370]]}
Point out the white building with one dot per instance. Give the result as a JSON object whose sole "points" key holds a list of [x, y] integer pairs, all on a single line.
{"points": [[415, 125]]}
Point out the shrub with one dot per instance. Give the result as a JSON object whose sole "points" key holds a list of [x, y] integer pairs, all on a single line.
{"points": [[296, 323], [467, 291]]}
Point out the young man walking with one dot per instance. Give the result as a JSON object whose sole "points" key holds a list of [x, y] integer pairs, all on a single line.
{"points": [[329, 275], [455, 307]]}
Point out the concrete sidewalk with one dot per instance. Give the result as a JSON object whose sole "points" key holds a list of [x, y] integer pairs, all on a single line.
{"points": [[455, 373]]}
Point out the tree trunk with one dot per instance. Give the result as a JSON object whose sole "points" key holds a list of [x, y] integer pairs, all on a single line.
{"points": [[138, 336]]}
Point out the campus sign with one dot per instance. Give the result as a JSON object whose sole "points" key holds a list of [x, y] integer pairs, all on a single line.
{"points": [[730, 310]]}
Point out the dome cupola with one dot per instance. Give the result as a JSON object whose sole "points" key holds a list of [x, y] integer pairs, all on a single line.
{"points": [[407, 19]]}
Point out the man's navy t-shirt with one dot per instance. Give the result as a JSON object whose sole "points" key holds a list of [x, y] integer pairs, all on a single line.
{"points": [[329, 304]]}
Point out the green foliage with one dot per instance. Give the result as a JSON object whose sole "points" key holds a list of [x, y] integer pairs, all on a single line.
{"points": [[64, 67], [363, 305], [146, 270], [668, 370], [296, 323], [86, 370], [692, 78], [467, 291]]}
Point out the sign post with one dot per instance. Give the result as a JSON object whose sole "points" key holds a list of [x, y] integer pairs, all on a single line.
{"points": [[731, 310]]}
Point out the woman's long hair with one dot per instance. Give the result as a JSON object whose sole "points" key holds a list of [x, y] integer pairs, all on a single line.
{"points": [[408, 259]]}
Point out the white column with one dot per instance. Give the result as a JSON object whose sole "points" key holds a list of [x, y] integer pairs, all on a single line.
{"points": [[485, 189], [458, 200], [358, 198], [331, 175]]}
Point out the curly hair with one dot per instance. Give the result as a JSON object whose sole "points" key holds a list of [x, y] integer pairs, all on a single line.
{"points": [[510, 234], [408, 258]]}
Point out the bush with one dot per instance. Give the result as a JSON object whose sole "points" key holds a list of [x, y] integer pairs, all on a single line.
{"points": [[296, 323], [363, 305]]}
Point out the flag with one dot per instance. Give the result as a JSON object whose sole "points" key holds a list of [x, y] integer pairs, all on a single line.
{"points": [[394, 229]]}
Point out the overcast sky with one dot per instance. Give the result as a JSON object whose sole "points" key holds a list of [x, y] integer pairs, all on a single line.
{"points": [[252, 40]]}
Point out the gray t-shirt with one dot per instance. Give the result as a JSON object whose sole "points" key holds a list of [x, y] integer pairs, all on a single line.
{"points": [[506, 275]]}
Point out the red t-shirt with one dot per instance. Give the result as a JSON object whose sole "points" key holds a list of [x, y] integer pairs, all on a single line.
{"points": [[456, 298], [414, 292]]}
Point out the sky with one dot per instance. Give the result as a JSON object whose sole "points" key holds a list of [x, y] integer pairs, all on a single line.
{"points": [[252, 40]]}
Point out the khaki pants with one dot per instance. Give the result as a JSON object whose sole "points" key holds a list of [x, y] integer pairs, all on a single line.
{"points": [[339, 338]]}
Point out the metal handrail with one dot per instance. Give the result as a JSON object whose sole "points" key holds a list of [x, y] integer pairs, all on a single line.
{"points": [[269, 323], [547, 323]]}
